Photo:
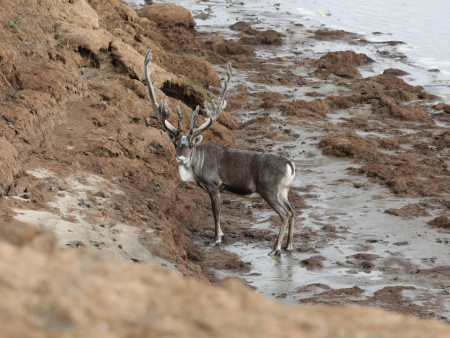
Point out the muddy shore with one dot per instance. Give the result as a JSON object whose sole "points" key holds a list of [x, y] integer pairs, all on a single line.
{"points": [[83, 155]]}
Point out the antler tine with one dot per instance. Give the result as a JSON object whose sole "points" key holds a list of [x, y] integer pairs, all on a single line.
{"points": [[162, 111], [214, 108], [194, 120], [180, 120]]}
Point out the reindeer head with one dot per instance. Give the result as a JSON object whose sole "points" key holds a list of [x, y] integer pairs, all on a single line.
{"points": [[184, 143]]}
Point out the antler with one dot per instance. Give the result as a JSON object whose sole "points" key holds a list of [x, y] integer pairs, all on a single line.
{"points": [[212, 109], [162, 110]]}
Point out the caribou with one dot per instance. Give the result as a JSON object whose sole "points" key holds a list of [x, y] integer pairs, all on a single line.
{"points": [[216, 168]]}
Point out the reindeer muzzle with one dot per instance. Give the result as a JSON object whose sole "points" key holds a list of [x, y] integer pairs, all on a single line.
{"points": [[181, 160]]}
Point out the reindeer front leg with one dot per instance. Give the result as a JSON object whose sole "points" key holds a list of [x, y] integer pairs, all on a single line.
{"points": [[214, 195]]}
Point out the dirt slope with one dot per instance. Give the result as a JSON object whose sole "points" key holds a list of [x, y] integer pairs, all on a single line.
{"points": [[74, 102]]}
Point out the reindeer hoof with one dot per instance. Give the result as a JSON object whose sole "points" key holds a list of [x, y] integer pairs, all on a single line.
{"points": [[275, 252], [289, 248], [215, 243]]}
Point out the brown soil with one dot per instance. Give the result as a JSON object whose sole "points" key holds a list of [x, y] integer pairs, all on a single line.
{"points": [[252, 36], [395, 72], [329, 34], [342, 63], [440, 222], [408, 211], [314, 262]]}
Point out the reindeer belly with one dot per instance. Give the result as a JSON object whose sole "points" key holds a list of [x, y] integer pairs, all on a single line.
{"points": [[241, 191], [186, 174]]}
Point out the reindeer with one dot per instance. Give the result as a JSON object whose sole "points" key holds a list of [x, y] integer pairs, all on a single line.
{"points": [[216, 168]]}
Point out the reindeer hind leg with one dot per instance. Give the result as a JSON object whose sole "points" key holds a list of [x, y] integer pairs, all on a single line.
{"points": [[279, 207], [284, 199]]}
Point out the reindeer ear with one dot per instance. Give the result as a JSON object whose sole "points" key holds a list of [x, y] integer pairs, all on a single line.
{"points": [[171, 137], [197, 139]]}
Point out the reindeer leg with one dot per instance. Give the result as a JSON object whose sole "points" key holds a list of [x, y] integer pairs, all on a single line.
{"points": [[278, 206], [291, 213], [214, 195], [289, 246]]}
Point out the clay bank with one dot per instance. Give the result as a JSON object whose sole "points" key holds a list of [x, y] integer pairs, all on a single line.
{"points": [[83, 156]]}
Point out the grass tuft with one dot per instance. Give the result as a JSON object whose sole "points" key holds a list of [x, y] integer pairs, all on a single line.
{"points": [[13, 25]]}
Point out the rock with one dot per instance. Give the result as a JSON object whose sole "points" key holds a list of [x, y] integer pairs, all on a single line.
{"points": [[168, 15]]}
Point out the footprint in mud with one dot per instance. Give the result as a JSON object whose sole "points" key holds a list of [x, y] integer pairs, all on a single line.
{"points": [[401, 243], [98, 244], [75, 244]]}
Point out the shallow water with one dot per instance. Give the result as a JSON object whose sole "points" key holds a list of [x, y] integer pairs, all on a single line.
{"points": [[422, 25]]}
